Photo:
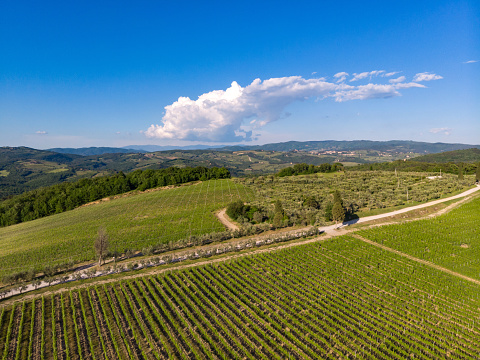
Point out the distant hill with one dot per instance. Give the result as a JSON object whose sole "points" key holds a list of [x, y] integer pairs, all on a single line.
{"points": [[397, 146], [23, 169], [154, 148], [9, 154], [89, 151], [93, 151], [404, 146], [468, 156]]}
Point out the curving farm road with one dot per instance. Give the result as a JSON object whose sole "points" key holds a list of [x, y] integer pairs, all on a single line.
{"points": [[401, 211]]}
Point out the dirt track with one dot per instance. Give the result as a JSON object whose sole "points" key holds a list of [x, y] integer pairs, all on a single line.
{"points": [[225, 220]]}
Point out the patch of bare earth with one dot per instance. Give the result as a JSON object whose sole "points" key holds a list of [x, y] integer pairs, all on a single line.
{"points": [[225, 220]]}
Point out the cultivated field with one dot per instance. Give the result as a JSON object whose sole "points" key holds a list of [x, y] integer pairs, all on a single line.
{"points": [[131, 222], [451, 240], [336, 299]]}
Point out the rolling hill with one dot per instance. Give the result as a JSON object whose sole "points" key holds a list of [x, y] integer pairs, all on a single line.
{"points": [[133, 221], [468, 156]]}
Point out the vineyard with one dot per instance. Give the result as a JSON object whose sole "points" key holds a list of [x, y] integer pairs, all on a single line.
{"points": [[451, 240], [132, 222], [337, 299], [362, 191]]}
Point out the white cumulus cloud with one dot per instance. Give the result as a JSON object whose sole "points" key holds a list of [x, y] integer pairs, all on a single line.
{"points": [[41, 132], [373, 91], [425, 76], [397, 80], [391, 73], [341, 76], [218, 115], [234, 114], [443, 130], [366, 74]]}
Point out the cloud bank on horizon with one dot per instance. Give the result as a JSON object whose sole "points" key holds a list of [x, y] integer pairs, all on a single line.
{"points": [[232, 115]]}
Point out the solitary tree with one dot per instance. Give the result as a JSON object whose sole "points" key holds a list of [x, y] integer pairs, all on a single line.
{"points": [[101, 245], [478, 172], [337, 197], [338, 213]]}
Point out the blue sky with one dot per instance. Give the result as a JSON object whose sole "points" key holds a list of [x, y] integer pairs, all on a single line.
{"points": [[75, 74]]}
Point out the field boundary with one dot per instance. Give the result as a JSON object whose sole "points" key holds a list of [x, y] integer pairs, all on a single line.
{"points": [[413, 258]]}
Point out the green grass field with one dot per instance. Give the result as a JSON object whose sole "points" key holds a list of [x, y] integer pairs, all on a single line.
{"points": [[451, 240], [132, 222]]}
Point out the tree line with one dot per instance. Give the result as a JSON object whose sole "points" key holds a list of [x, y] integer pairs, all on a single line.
{"points": [[69, 195], [303, 169]]}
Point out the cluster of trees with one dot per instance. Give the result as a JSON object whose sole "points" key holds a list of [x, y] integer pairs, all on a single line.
{"points": [[245, 213], [335, 210], [238, 209], [303, 169], [69, 195]]}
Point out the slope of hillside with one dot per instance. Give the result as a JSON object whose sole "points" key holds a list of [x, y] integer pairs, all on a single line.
{"points": [[468, 155], [404, 146], [93, 151], [23, 169], [132, 222]]}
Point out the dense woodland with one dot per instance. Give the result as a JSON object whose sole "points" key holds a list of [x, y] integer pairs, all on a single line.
{"points": [[69, 195]]}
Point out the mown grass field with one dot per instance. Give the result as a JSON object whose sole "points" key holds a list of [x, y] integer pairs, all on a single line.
{"points": [[341, 298], [451, 240], [132, 222]]}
